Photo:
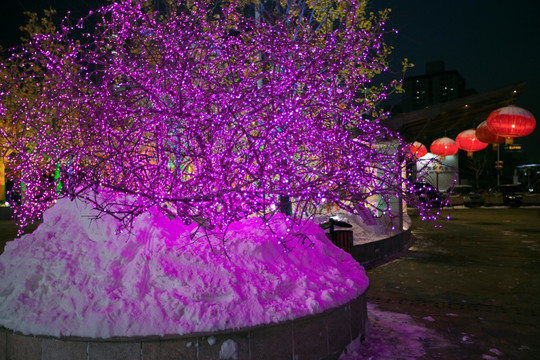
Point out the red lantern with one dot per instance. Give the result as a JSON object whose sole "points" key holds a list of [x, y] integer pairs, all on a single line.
{"points": [[444, 147], [467, 140], [485, 135], [510, 122], [417, 150]]}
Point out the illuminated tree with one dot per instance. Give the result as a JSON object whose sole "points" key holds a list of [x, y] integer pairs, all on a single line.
{"points": [[21, 88], [210, 112]]}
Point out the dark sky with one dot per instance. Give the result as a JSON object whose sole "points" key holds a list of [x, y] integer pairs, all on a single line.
{"points": [[11, 14], [491, 43]]}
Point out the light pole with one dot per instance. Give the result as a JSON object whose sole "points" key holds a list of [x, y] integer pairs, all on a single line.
{"points": [[498, 165]]}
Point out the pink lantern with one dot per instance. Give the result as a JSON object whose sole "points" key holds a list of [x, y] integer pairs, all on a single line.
{"points": [[467, 140], [443, 147], [510, 122]]}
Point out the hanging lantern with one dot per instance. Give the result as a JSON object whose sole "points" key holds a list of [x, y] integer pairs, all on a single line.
{"points": [[510, 122], [416, 150], [485, 135], [443, 147], [467, 140]]}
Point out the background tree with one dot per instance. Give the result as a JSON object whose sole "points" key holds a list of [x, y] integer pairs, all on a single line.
{"points": [[21, 88], [477, 166], [210, 113]]}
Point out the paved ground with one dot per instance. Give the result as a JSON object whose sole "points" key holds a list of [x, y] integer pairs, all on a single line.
{"points": [[476, 281]]}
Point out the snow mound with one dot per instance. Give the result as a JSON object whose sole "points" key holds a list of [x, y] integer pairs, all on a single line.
{"points": [[75, 276]]}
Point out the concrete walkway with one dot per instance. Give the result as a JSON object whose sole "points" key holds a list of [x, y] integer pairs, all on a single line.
{"points": [[476, 281]]}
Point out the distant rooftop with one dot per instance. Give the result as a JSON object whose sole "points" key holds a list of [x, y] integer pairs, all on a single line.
{"points": [[461, 113]]}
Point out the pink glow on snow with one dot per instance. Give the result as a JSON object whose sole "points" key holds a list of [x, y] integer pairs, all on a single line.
{"points": [[75, 276]]}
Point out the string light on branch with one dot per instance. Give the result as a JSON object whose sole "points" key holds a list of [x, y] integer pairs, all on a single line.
{"points": [[208, 124]]}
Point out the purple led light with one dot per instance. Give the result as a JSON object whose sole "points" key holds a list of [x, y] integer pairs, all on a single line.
{"points": [[213, 119]]}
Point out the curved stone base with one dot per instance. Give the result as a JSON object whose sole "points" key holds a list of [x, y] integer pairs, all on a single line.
{"points": [[321, 336], [374, 253]]}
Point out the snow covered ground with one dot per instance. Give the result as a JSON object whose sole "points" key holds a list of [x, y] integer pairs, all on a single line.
{"points": [[392, 336], [75, 275]]}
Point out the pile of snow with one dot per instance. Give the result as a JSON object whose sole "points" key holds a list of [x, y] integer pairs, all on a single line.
{"points": [[75, 276]]}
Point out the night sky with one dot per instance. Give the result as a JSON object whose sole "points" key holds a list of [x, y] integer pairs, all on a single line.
{"points": [[490, 43]]}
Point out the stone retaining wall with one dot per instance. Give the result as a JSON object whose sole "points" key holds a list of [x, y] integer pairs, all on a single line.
{"points": [[375, 252], [317, 337]]}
